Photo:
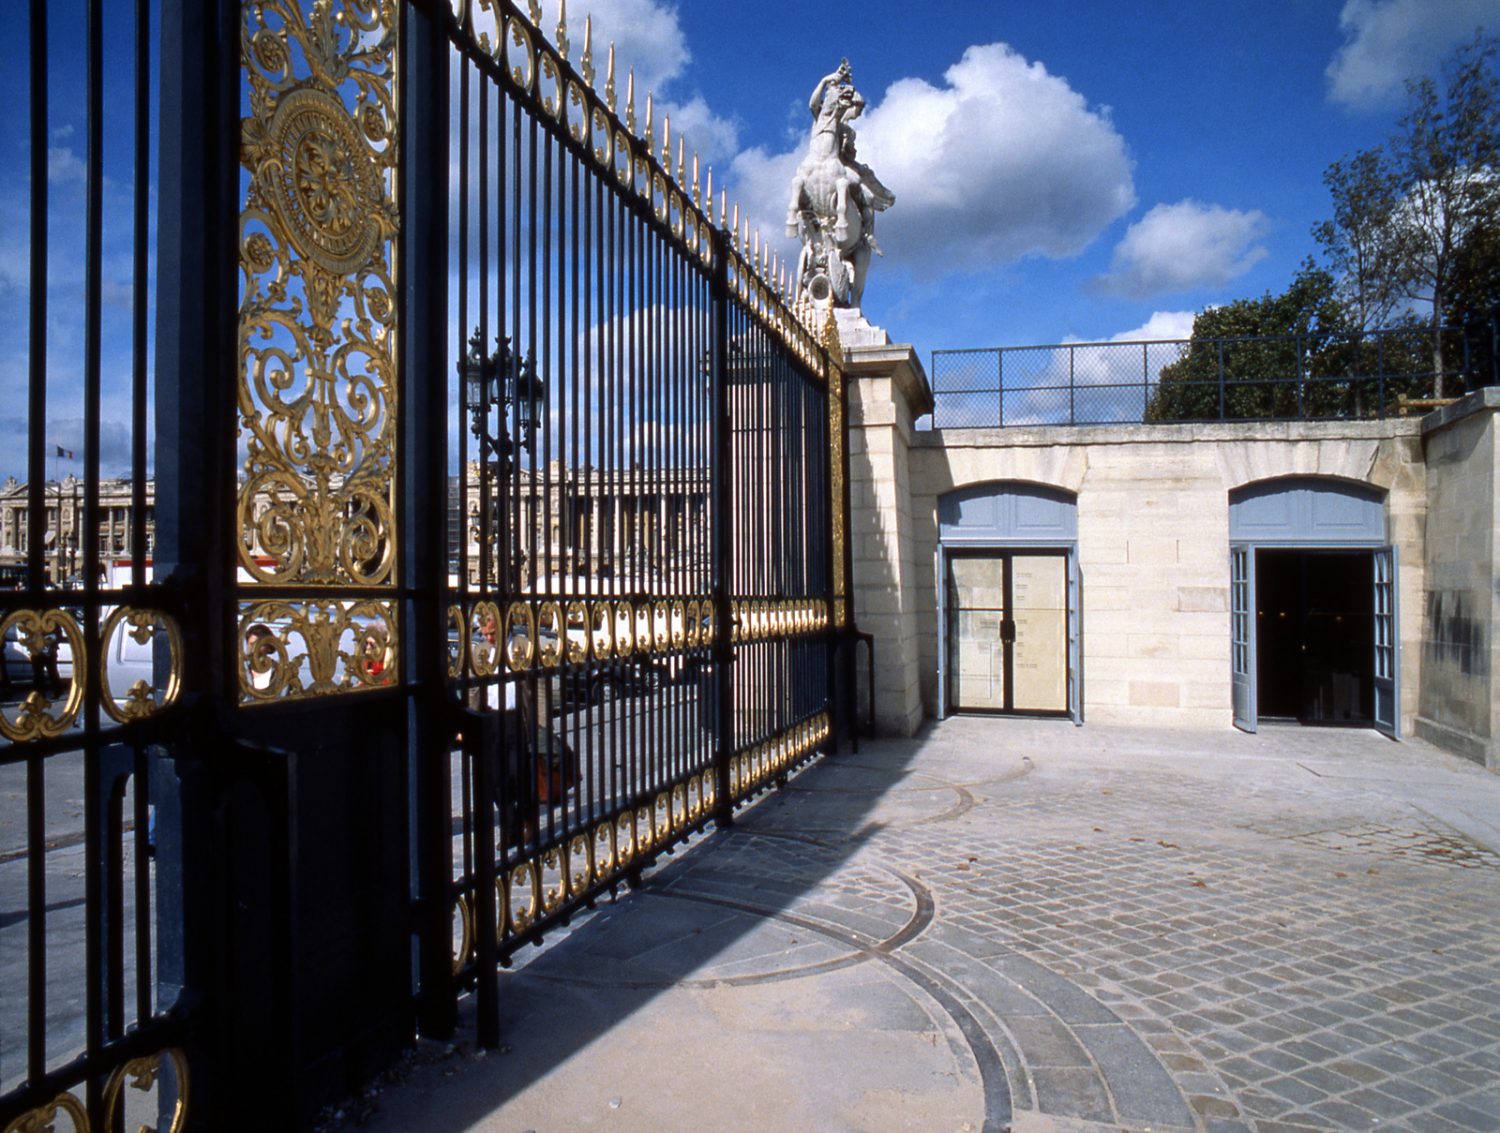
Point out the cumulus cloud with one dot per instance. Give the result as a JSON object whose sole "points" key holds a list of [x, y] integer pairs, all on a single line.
{"points": [[1003, 160], [1388, 41], [1162, 326], [1182, 246]]}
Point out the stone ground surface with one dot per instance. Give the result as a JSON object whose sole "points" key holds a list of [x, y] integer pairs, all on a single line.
{"points": [[1026, 924]]}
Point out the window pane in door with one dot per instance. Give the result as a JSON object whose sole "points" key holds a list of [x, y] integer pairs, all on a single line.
{"points": [[1039, 593], [976, 599]]}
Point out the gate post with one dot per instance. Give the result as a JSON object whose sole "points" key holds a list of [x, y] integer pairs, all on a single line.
{"points": [[721, 469], [424, 498], [197, 250]]}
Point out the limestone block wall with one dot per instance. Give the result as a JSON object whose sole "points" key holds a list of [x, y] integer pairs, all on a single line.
{"points": [[1153, 534], [1459, 707], [886, 389]]}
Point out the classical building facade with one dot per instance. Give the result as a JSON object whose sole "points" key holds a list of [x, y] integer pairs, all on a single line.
{"points": [[64, 537]]}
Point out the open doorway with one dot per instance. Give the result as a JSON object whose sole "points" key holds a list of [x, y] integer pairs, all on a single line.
{"points": [[1315, 630]]}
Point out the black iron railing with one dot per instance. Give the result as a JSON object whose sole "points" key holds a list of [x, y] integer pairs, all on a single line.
{"points": [[1276, 377]]}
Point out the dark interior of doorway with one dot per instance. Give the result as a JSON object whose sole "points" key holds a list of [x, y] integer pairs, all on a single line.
{"points": [[1315, 635]]}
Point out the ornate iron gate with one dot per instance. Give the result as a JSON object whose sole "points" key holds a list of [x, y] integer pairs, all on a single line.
{"points": [[512, 555], [647, 567]]}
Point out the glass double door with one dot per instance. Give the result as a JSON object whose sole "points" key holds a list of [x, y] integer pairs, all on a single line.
{"points": [[1007, 631]]}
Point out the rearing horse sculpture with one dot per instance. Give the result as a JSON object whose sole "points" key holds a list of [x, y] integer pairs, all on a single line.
{"points": [[834, 199]]}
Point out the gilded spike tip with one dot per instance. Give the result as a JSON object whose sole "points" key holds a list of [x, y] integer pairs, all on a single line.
{"points": [[562, 29], [609, 81], [650, 124], [586, 64], [697, 200], [723, 206], [630, 101], [682, 160], [666, 142], [535, 8]]}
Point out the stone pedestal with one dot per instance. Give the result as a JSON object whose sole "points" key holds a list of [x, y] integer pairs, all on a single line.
{"points": [[887, 391]]}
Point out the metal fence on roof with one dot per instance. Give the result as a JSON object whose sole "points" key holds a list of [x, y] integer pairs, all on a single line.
{"points": [[1271, 377]]}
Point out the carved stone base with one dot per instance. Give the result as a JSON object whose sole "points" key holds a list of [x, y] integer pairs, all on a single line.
{"points": [[856, 330]]}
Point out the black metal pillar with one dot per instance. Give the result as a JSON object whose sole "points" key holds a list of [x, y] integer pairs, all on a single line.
{"points": [[424, 397], [195, 338]]}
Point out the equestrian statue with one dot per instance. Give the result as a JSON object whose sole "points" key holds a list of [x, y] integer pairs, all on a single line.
{"points": [[834, 199]]}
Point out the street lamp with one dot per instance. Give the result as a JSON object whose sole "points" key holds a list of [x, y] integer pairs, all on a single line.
{"points": [[500, 380]]}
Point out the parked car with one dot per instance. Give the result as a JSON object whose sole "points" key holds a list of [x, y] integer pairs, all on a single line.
{"points": [[602, 683]]}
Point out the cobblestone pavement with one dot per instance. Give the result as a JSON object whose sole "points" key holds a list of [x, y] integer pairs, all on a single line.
{"points": [[1020, 923]]}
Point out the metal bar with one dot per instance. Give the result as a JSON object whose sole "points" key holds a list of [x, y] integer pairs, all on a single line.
{"points": [[722, 541], [36, 338], [138, 298]]}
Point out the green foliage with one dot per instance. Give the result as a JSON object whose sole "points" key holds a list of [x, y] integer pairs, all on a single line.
{"points": [[1297, 354], [1416, 222]]}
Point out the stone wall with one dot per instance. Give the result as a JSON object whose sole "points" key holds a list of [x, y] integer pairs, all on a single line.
{"points": [[1153, 542], [1458, 706]]}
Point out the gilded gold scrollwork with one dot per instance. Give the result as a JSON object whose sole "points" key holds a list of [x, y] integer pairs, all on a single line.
{"points": [[43, 1119], [457, 641], [643, 638], [549, 635], [605, 855], [144, 1074], [554, 877], [519, 45], [662, 821], [315, 648], [522, 895], [624, 637], [520, 636], [576, 627], [140, 699], [625, 838], [691, 617], [317, 381], [463, 909], [483, 637], [677, 619], [580, 864], [43, 635], [602, 631]]}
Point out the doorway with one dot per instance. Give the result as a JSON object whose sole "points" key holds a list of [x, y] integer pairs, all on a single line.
{"points": [[1007, 632], [1315, 615], [1314, 624]]}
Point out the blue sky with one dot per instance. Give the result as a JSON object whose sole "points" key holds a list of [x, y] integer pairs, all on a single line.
{"points": [[1076, 169], [1067, 170]]}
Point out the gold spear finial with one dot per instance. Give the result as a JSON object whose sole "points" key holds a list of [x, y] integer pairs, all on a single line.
{"points": [[609, 80], [630, 101], [536, 13], [587, 63], [723, 206], [562, 29], [666, 142], [734, 228], [697, 200], [681, 159], [650, 124]]}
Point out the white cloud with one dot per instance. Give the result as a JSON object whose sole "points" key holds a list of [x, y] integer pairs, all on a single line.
{"points": [[1002, 161], [1183, 246], [1162, 326], [64, 166], [1388, 41]]}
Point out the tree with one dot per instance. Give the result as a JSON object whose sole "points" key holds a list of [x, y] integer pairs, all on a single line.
{"points": [[1405, 215], [1359, 242], [1264, 350]]}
